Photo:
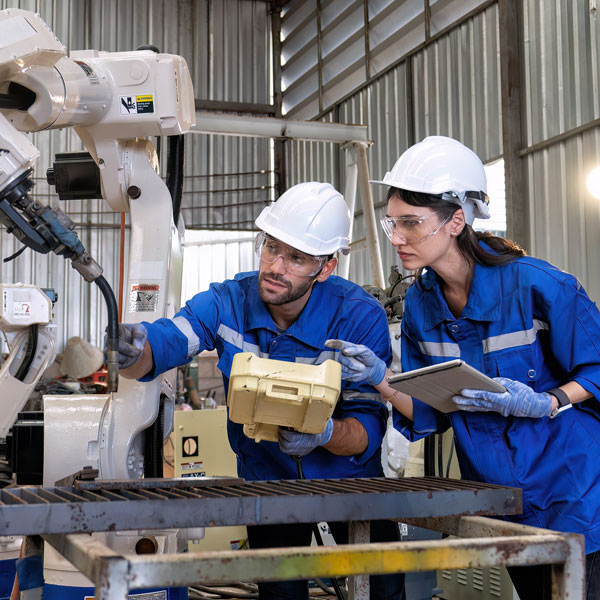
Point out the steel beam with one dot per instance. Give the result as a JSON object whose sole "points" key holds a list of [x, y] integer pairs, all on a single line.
{"points": [[114, 574], [377, 276], [359, 532], [517, 213], [235, 107], [114, 506], [350, 197], [249, 126], [568, 575]]}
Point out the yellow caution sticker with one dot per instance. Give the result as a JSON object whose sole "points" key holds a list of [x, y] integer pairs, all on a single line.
{"points": [[136, 105]]}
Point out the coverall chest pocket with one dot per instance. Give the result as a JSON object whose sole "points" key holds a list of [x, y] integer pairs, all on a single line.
{"points": [[518, 364]]}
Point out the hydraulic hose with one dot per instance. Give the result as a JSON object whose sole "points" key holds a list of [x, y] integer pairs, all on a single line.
{"points": [[112, 334], [29, 353], [175, 152]]}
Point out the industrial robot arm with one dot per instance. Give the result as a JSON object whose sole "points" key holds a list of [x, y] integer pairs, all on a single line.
{"points": [[112, 100]]}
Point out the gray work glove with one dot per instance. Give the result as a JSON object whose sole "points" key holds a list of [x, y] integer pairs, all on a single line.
{"points": [[132, 339], [359, 363], [519, 400], [295, 443]]}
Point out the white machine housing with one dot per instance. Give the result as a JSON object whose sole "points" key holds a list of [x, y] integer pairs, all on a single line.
{"points": [[108, 97], [22, 306]]}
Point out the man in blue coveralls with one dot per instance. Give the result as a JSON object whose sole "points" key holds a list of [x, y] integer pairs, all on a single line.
{"points": [[286, 311]]}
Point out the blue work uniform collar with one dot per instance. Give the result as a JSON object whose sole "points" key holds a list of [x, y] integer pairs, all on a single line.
{"points": [[309, 328], [483, 304]]}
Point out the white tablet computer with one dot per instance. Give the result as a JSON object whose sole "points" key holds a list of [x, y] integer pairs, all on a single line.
{"points": [[435, 385]]}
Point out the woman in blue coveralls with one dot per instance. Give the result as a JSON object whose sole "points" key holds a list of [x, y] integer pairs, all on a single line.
{"points": [[516, 318]]}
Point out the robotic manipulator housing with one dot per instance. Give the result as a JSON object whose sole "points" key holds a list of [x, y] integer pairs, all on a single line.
{"points": [[112, 100]]}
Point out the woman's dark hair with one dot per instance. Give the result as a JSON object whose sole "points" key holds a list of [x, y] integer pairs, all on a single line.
{"points": [[468, 241]]}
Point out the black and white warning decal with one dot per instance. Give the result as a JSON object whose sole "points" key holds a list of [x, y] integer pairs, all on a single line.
{"points": [[136, 105]]}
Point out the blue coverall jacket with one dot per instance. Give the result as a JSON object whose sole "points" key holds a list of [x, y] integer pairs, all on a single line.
{"points": [[531, 322], [231, 318]]}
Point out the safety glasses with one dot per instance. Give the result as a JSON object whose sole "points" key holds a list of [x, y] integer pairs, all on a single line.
{"points": [[269, 249], [411, 229]]}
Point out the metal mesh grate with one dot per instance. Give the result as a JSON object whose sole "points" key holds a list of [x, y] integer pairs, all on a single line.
{"points": [[231, 488], [174, 503]]}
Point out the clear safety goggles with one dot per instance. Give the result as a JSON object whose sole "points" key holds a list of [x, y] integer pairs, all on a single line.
{"points": [[269, 249], [412, 229]]}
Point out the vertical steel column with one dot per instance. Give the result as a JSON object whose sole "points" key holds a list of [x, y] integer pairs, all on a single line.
{"points": [[367, 40], [359, 532], [568, 578], [113, 581], [517, 215], [320, 57], [106, 568], [343, 269], [369, 216], [278, 144]]}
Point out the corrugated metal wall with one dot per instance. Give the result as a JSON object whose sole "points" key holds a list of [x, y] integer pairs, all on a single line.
{"points": [[227, 46], [453, 86], [331, 47], [455, 90], [561, 54]]}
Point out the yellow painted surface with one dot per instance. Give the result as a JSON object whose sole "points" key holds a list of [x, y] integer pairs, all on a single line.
{"points": [[201, 448], [264, 394]]}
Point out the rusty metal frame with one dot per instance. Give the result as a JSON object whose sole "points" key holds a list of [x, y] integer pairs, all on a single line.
{"points": [[488, 542]]}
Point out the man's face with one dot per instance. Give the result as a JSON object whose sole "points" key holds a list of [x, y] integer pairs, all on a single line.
{"points": [[277, 284], [276, 289]]}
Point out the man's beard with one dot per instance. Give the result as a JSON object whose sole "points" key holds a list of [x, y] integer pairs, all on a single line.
{"points": [[284, 297]]}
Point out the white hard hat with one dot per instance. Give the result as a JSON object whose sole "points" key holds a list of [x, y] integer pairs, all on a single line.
{"points": [[312, 217], [443, 166]]}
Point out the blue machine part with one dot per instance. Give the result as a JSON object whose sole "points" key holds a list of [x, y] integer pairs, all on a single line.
{"points": [[62, 592], [7, 577]]}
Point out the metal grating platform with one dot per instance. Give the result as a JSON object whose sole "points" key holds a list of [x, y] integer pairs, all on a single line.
{"points": [[177, 503]]}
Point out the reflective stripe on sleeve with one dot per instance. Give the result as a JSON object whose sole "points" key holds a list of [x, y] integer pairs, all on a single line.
{"points": [[513, 340], [192, 339], [235, 338]]}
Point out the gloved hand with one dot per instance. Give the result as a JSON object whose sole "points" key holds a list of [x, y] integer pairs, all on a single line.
{"points": [[359, 363], [132, 339], [519, 400], [295, 443]]}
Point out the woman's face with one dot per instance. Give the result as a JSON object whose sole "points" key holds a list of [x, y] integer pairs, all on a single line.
{"points": [[420, 236]]}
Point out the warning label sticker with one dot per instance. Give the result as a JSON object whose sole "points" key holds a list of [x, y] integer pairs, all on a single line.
{"points": [[191, 465], [144, 297], [136, 105]]}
